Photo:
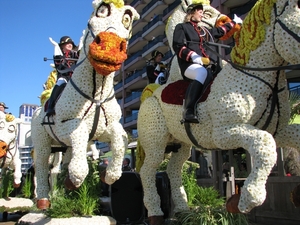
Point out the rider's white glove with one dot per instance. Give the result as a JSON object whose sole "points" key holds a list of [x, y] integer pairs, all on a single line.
{"points": [[157, 67], [81, 40], [57, 50], [237, 19], [196, 58]]}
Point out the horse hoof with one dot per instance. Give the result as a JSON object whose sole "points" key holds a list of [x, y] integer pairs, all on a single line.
{"points": [[156, 220], [43, 203], [16, 185], [102, 176], [295, 196], [232, 204], [69, 185]]}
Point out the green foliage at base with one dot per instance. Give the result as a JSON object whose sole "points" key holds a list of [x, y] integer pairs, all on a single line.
{"points": [[82, 202], [6, 183], [28, 187], [206, 205]]}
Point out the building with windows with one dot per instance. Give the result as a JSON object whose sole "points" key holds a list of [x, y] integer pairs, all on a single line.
{"points": [[24, 138]]}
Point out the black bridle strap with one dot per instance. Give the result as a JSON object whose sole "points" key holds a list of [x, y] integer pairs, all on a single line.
{"points": [[98, 104]]}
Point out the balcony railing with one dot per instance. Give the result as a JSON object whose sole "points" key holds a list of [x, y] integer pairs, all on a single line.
{"points": [[118, 85], [131, 118], [155, 20], [133, 57], [149, 6], [156, 40], [136, 36], [171, 7], [135, 75], [133, 96]]}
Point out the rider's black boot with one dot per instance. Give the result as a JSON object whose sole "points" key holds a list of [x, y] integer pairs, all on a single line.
{"points": [[191, 96], [57, 90]]}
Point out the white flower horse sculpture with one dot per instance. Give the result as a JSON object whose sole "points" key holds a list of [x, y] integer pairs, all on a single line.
{"points": [[87, 109], [244, 109], [9, 153]]}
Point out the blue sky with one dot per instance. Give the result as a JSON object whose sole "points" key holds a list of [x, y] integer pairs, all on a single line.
{"points": [[25, 28]]}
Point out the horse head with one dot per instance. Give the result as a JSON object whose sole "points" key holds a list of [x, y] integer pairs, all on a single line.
{"points": [[8, 135], [109, 29], [282, 19]]}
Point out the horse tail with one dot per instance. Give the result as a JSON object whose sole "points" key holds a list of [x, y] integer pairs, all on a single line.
{"points": [[140, 154], [51, 80]]}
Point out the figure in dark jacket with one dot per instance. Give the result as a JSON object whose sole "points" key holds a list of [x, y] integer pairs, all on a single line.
{"points": [[188, 44], [156, 68], [65, 57]]}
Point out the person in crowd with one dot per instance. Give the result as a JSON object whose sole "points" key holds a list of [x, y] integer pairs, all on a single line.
{"points": [[188, 44], [3, 107], [104, 186], [65, 57], [156, 68], [126, 165]]}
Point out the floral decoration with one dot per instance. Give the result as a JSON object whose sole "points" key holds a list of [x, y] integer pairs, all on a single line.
{"points": [[107, 52], [117, 3], [253, 32], [9, 117]]}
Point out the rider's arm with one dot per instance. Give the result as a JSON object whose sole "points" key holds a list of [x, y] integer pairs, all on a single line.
{"points": [[218, 32], [180, 43]]}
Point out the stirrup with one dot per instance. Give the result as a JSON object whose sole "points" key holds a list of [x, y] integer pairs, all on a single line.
{"points": [[48, 122]]}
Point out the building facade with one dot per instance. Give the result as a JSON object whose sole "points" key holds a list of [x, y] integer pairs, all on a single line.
{"points": [[24, 137]]}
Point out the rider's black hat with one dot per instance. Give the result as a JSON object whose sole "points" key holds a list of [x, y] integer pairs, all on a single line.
{"points": [[156, 53], [3, 104], [191, 8], [66, 39]]}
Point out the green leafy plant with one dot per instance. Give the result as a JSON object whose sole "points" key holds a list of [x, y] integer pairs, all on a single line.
{"points": [[28, 187], [6, 183], [83, 202], [206, 205]]}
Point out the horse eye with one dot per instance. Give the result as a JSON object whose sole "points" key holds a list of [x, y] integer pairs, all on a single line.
{"points": [[126, 20], [11, 128], [103, 10]]}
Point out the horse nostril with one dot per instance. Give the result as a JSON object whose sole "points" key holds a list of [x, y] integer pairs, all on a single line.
{"points": [[97, 39]]}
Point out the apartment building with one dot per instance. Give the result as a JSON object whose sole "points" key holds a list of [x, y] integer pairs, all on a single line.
{"points": [[24, 137]]}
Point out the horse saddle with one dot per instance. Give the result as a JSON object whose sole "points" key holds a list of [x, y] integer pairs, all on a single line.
{"points": [[174, 93]]}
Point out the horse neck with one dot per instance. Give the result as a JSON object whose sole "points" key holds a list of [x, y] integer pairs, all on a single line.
{"points": [[89, 81], [176, 17], [266, 55]]}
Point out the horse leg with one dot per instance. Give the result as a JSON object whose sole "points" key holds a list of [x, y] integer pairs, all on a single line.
{"points": [[42, 151], [174, 172], [262, 148], [17, 168], [56, 169], [78, 166], [153, 137], [119, 143]]}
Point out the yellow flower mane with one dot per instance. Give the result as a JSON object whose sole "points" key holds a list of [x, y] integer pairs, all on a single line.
{"points": [[9, 117], [252, 33], [117, 3]]}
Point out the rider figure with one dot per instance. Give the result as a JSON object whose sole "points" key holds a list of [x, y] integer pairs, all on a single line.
{"points": [[156, 67], [65, 57], [192, 58]]}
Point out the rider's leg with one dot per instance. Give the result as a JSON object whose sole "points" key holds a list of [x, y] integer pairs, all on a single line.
{"points": [[198, 74], [57, 90]]}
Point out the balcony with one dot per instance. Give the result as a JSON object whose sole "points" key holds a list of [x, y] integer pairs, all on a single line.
{"points": [[136, 42], [154, 28], [155, 7], [132, 80]]}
